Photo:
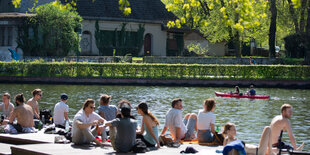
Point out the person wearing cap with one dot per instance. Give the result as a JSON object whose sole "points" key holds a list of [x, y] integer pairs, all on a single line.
{"points": [[61, 111], [126, 130], [179, 129], [149, 125], [82, 123]]}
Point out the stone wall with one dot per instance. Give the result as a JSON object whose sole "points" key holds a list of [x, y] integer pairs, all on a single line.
{"points": [[100, 59], [201, 60]]}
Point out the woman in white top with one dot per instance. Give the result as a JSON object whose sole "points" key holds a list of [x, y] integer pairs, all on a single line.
{"points": [[206, 122]]}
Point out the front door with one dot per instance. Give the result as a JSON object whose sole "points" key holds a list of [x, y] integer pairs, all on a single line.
{"points": [[147, 45]]}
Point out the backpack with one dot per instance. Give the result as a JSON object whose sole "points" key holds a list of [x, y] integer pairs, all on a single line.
{"points": [[45, 115], [218, 139], [139, 147]]}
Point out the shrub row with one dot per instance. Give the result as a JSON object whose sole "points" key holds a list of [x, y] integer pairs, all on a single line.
{"points": [[158, 71]]}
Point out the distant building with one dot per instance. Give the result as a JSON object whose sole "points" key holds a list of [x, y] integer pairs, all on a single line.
{"points": [[158, 40]]}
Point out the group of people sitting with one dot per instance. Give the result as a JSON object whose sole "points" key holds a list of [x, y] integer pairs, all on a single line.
{"points": [[24, 113], [123, 127]]}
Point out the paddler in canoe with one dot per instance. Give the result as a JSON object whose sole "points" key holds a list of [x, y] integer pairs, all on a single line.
{"points": [[252, 91]]}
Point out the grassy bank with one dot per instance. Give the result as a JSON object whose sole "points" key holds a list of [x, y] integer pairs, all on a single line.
{"points": [[158, 71]]}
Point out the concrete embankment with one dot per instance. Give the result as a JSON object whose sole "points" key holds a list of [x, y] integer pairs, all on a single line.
{"points": [[300, 84]]}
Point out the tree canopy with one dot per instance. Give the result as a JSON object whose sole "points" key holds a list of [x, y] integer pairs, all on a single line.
{"points": [[53, 31]]}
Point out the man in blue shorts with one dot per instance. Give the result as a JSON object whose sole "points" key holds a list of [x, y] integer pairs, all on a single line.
{"points": [[180, 129]]}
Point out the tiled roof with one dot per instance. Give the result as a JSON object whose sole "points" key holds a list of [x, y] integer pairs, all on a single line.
{"points": [[141, 10]]}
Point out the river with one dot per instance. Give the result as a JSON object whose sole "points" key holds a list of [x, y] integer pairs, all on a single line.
{"points": [[250, 116]]}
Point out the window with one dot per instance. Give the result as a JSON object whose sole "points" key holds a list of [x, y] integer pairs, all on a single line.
{"points": [[6, 36], [2, 36], [10, 36]]}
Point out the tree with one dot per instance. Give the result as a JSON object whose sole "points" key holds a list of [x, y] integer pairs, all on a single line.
{"points": [[273, 28], [124, 5], [220, 20], [54, 26], [307, 59], [304, 27]]}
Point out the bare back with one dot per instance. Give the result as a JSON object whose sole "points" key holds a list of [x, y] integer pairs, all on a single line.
{"points": [[24, 115], [277, 124]]}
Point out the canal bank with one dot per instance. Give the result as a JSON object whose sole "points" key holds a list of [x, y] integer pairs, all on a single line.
{"points": [[299, 84]]}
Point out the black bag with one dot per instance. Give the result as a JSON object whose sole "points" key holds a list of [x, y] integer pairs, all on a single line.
{"points": [[139, 147], [45, 115], [218, 138]]}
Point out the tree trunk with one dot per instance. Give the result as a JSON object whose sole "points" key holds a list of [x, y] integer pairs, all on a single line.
{"points": [[272, 28], [307, 57], [237, 38], [294, 17], [237, 44], [308, 20], [302, 15]]}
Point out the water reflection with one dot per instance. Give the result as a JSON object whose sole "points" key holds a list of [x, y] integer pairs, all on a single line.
{"points": [[250, 116]]}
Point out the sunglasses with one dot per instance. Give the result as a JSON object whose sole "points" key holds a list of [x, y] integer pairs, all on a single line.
{"points": [[92, 107]]}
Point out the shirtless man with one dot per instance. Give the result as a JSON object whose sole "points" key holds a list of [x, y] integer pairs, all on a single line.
{"points": [[33, 102], [282, 122], [24, 115]]}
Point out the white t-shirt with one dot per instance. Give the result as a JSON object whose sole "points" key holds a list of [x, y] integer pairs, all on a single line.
{"points": [[205, 119], [59, 113], [81, 116], [174, 119]]}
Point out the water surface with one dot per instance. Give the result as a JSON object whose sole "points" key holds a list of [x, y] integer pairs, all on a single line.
{"points": [[250, 116]]}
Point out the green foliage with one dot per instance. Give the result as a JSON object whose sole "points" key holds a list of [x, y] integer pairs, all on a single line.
{"points": [[124, 7], [296, 45], [218, 17], [158, 71], [119, 42], [292, 61], [198, 49], [51, 32]]}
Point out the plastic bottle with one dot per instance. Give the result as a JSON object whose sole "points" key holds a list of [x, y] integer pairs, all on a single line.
{"points": [[40, 125], [217, 128], [67, 126], [43, 119]]}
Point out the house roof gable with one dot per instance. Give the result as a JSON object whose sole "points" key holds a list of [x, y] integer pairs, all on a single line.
{"points": [[141, 10]]}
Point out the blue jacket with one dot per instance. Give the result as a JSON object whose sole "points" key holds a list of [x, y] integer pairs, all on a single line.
{"points": [[237, 145]]}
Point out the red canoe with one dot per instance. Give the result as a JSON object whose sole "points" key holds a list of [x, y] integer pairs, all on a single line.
{"points": [[238, 96]]}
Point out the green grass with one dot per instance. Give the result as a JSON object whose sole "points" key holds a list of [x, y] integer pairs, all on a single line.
{"points": [[137, 58]]}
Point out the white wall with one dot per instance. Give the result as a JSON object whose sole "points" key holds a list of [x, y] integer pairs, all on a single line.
{"points": [[158, 36], [215, 49], [5, 55]]}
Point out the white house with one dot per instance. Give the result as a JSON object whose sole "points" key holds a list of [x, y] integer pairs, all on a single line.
{"points": [[158, 40]]}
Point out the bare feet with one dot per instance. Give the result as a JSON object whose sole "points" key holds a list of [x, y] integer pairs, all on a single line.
{"points": [[301, 147], [98, 143]]}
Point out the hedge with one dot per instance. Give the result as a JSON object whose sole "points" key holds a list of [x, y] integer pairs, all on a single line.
{"points": [[157, 71]]}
